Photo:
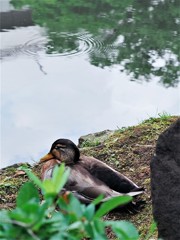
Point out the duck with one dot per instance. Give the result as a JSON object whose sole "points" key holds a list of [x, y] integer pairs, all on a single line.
{"points": [[89, 177]]}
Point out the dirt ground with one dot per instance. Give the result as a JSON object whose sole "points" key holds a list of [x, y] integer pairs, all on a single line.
{"points": [[128, 150]]}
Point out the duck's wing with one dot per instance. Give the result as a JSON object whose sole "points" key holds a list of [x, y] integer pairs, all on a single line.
{"points": [[109, 176], [82, 182]]}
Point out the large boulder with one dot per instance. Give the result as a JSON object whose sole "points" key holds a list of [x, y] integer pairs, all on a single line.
{"points": [[165, 183]]}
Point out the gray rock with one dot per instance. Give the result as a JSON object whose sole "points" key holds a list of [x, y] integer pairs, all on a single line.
{"points": [[165, 183], [96, 138]]}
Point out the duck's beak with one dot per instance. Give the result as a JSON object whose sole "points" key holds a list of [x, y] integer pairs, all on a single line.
{"points": [[46, 157]]}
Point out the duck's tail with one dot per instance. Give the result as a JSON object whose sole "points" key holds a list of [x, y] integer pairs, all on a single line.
{"points": [[133, 194], [136, 191]]}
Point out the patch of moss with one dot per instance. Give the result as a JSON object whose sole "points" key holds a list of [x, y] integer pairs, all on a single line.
{"points": [[11, 179], [88, 143]]}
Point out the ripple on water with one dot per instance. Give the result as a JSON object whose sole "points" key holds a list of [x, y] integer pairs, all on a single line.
{"points": [[71, 44], [33, 47], [82, 43]]}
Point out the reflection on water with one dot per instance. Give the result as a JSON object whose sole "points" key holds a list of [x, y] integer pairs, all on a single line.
{"points": [[63, 82], [83, 43], [32, 47], [26, 41], [15, 18], [137, 34]]}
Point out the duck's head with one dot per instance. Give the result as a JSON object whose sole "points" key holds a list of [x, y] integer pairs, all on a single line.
{"points": [[63, 150]]}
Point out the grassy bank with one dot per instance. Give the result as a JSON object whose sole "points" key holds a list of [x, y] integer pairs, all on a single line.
{"points": [[129, 150]]}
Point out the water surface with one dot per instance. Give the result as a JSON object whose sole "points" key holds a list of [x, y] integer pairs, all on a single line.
{"points": [[76, 70]]}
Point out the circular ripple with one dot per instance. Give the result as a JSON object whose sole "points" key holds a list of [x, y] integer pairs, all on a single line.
{"points": [[34, 46], [60, 44], [82, 43], [31, 48]]}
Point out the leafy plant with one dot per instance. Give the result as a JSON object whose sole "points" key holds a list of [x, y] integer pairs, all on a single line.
{"points": [[59, 216]]}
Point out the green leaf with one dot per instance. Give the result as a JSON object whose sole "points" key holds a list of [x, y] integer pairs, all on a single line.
{"points": [[22, 216], [99, 225], [54, 185], [95, 229], [75, 225], [111, 204], [59, 178], [75, 207], [89, 212], [26, 193], [41, 214], [4, 217], [151, 230], [97, 200], [49, 187], [34, 178], [124, 230], [153, 227]]}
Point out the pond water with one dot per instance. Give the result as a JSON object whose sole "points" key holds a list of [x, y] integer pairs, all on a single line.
{"points": [[70, 68]]}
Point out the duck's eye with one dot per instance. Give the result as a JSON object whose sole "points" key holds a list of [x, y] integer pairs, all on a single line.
{"points": [[60, 146], [57, 147]]}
